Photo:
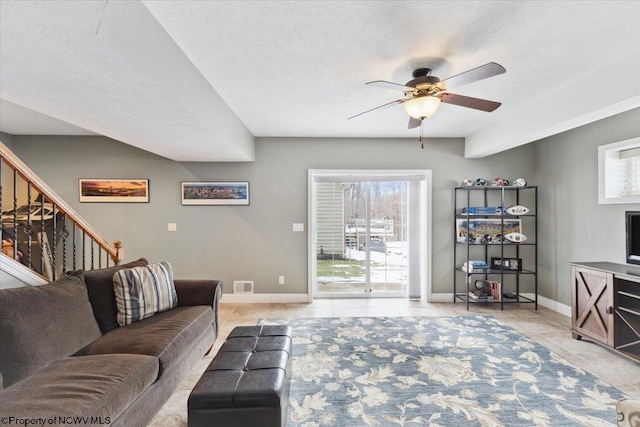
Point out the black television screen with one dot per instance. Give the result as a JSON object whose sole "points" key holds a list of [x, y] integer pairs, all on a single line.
{"points": [[633, 237]]}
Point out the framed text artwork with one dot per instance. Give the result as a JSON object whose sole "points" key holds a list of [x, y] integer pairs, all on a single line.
{"points": [[114, 190], [215, 193]]}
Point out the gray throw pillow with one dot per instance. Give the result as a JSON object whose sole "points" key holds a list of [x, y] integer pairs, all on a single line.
{"points": [[142, 292], [103, 300]]}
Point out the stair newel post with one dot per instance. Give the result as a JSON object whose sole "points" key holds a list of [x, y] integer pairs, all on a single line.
{"points": [[119, 255]]}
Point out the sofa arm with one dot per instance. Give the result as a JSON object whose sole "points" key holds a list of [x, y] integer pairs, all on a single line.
{"points": [[200, 292]]}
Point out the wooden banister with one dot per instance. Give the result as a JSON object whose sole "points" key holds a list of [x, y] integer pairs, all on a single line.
{"points": [[10, 159]]}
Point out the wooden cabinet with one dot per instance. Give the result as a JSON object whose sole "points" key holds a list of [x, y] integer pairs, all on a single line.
{"points": [[605, 305], [591, 302]]}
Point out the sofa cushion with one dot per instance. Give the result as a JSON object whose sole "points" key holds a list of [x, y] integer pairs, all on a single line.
{"points": [[142, 292], [166, 335], [98, 386], [41, 324], [103, 300]]}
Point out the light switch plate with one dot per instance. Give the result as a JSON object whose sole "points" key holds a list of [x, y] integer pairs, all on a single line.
{"points": [[172, 226], [298, 226]]}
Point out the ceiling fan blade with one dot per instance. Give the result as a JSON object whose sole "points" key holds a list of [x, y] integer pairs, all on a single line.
{"points": [[390, 85], [413, 123], [388, 104], [482, 72], [469, 102]]}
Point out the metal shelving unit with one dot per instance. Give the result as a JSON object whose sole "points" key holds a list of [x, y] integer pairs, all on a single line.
{"points": [[519, 280]]}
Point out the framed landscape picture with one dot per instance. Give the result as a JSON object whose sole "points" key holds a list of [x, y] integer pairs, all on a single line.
{"points": [[114, 190], [215, 193], [483, 230]]}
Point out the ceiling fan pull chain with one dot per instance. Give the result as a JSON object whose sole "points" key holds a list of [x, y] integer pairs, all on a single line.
{"points": [[421, 143]]}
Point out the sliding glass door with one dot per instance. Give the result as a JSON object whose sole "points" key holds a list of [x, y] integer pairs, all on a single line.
{"points": [[361, 236]]}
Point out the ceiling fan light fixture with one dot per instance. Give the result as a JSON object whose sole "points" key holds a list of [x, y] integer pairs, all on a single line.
{"points": [[422, 107]]}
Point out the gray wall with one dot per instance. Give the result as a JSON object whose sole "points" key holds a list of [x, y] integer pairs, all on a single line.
{"points": [[7, 281], [573, 226], [7, 140], [253, 242], [7, 176]]}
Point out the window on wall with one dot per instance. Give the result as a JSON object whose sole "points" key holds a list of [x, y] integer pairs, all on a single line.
{"points": [[619, 172], [631, 166]]}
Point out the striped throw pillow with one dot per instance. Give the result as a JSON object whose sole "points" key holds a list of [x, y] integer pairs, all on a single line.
{"points": [[143, 291]]}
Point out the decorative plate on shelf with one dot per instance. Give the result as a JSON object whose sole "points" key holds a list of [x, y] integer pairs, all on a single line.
{"points": [[515, 237], [517, 210]]}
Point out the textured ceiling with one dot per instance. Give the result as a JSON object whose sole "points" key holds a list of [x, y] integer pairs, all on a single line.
{"points": [[222, 72]]}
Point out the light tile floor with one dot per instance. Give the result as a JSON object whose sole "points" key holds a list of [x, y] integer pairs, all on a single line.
{"points": [[545, 326]]}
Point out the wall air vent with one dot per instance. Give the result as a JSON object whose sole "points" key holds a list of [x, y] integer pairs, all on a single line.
{"points": [[243, 286]]}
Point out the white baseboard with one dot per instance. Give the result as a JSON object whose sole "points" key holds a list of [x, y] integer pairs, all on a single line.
{"points": [[263, 298], [542, 301], [435, 298], [552, 305], [440, 297]]}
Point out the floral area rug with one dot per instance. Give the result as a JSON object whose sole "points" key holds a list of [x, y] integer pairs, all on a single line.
{"points": [[451, 371]]}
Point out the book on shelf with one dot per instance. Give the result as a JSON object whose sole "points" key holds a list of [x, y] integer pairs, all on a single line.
{"points": [[496, 290], [486, 289], [474, 270], [480, 296], [474, 266], [482, 210]]}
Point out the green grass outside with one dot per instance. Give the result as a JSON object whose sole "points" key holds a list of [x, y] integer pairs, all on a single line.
{"points": [[342, 268]]}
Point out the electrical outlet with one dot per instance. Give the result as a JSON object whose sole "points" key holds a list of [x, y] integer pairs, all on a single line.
{"points": [[172, 226], [281, 280]]}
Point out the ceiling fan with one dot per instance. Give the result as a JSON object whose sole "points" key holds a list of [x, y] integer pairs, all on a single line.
{"points": [[424, 93]]}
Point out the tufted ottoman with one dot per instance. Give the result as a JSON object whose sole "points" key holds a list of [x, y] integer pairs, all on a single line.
{"points": [[247, 382]]}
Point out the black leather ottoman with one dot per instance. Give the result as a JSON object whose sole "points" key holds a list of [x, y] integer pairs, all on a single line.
{"points": [[247, 382]]}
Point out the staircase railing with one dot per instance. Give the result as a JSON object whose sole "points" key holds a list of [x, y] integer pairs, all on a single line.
{"points": [[41, 231]]}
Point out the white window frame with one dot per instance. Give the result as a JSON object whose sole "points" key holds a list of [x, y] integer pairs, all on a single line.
{"points": [[605, 155]]}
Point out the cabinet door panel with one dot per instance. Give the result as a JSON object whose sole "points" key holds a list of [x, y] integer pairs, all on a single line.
{"points": [[592, 292], [627, 317]]}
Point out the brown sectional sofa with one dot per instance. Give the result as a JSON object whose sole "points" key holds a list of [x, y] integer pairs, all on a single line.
{"points": [[63, 355]]}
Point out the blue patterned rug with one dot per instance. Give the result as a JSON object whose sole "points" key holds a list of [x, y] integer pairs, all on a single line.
{"points": [[437, 372]]}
